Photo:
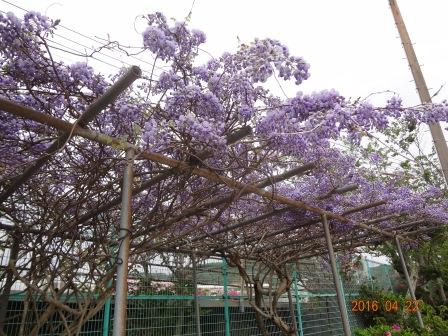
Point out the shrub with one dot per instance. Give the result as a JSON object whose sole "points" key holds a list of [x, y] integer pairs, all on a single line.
{"points": [[383, 330], [381, 316], [435, 320], [381, 323]]}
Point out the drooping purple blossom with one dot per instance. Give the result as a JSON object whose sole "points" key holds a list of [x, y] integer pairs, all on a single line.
{"points": [[192, 108]]}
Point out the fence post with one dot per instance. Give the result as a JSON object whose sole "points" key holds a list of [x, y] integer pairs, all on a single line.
{"points": [[106, 317], [197, 312], [241, 299], [369, 273], [226, 297], [389, 277], [298, 308], [292, 311]]}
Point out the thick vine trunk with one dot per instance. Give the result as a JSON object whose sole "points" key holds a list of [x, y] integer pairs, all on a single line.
{"points": [[261, 312], [4, 297], [259, 303]]}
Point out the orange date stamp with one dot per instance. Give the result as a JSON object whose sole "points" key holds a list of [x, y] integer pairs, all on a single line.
{"points": [[389, 306]]}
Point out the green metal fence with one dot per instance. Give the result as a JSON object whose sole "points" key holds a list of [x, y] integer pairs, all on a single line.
{"points": [[165, 302], [384, 276]]}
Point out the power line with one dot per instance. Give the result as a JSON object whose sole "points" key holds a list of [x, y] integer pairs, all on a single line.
{"points": [[99, 50], [76, 53]]}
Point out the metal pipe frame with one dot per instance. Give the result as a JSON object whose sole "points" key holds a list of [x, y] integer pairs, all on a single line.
{"points": [[339, 191], [226, 198], [296, 227], [229, 197], [382, 219], [268, 215], [180, 166], [304, 240], [236, 225], [205, 253], [240, 224], [339, 247], [231, 138], [403, 234], [336, 278], [223, 230], [268, 235], [408, 279], [364, 207], [377, 239], [121, 286], [295, 254], [424, 230], [260, 184], [336, 248]]}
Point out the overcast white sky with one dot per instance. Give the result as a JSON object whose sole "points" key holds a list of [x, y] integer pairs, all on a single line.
{"points": [[352, 45]]}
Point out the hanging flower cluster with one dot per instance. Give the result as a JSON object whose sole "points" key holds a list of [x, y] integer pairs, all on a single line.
{"points": [[189, 109]]}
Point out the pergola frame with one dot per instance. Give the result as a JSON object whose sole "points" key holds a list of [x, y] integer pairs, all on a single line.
{"points": [[195, 245]]}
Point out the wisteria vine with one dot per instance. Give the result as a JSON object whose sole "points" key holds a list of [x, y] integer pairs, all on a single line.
{"points": [[187, 112]]}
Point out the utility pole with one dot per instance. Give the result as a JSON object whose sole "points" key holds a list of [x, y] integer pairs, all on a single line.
{"points": [[425, 98]]}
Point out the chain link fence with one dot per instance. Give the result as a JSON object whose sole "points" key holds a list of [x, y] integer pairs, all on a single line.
{"points": [[168, 296]]}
